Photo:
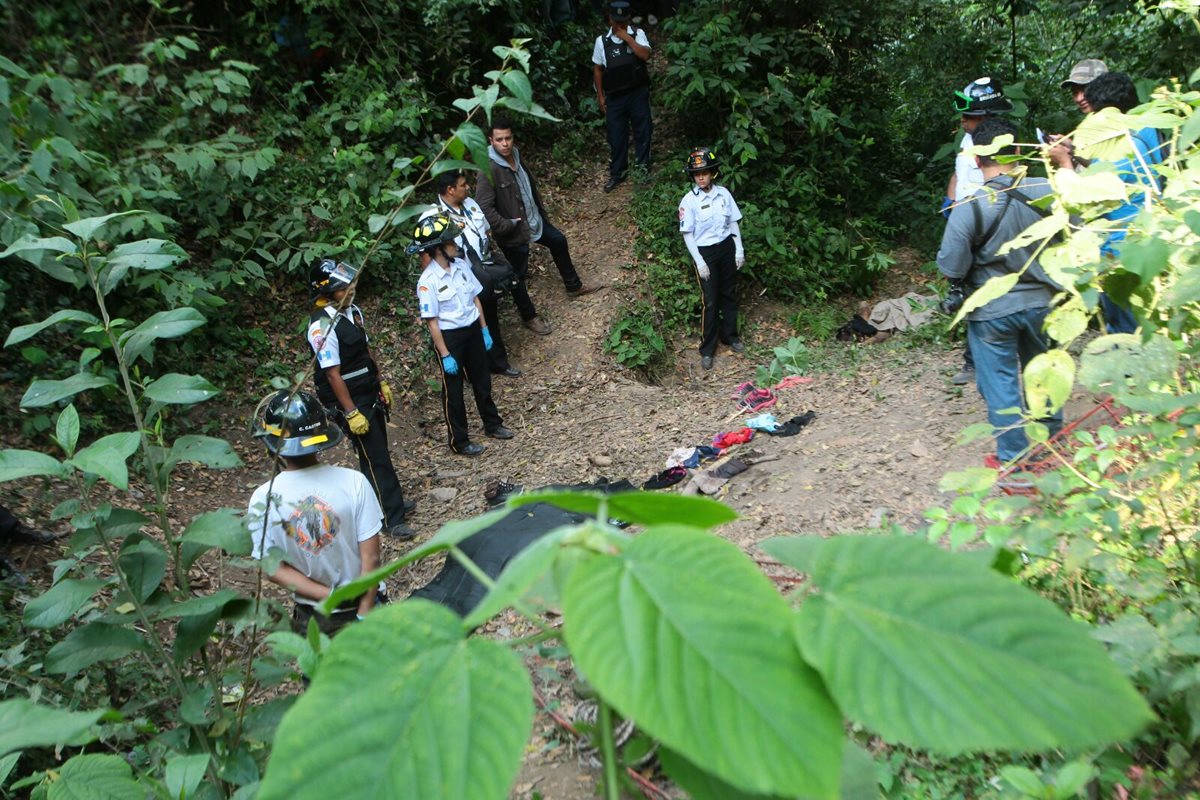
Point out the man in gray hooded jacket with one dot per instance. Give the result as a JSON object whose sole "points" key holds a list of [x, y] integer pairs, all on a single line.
{"points": [[513, 207], [1007, 332]]}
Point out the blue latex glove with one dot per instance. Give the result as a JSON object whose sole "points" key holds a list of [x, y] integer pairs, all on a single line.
{"points": [[449, 364], [487, 340], [945, 209]]}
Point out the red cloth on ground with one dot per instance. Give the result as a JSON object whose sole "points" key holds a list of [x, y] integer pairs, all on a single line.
{"points": [[726, 440]]}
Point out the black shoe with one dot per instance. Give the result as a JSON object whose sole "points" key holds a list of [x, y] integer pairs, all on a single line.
{"points": [[409, 505], [508, 372], [470, 449], [706, 362], [499, 490], [736, 346], [613, 182], [501, 432], [400, 531], [10, 574]]}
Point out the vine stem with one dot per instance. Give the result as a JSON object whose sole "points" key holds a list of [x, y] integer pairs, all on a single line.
{"points": [[608, 752], [165, 657]]}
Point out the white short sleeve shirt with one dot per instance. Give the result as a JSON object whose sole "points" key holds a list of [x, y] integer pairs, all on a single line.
{"points": [[598, 56], [708, 216], [316, 517], [449, 295], [322, 336]]}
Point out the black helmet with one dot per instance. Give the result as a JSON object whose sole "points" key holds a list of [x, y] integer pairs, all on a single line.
{"points": [[700, 160], [326, 276], [434, 230], [982, 97], [295, 427]]}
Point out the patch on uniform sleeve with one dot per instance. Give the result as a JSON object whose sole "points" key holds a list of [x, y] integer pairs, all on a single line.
{"points": [[422, 288], [681, 213], [424, 308], [317, 333]]}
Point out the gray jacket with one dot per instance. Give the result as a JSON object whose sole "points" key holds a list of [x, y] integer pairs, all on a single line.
{"points": [[964, 256]]}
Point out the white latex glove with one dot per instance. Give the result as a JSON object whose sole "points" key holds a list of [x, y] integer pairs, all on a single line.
{"points": [[702, 268], [739, 259]]}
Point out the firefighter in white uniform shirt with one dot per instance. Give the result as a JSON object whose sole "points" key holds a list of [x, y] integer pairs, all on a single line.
{"points": [[448, 298], [708, 220]]}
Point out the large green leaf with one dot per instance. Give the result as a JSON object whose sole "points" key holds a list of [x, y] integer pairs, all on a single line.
{"points": [[176, 388], [517, 82], [25, 724], [640, 508], [23, 332], [86, 228], [44, 393], [31, 247], [1048, 378], [222, 528], [476, 141], [66, 429], [91, 644], [206, 450], [144, 562], [60, 602], [163, 325], [107, 455], [938, 651], [1109, 363], [16, 464], [198, 617], [684, 635], [431, 714], [149, 254], [858, 779], [184, 774], [95, 777]]}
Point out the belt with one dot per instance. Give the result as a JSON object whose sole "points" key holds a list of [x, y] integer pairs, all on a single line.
{"points": [[358, 373]]}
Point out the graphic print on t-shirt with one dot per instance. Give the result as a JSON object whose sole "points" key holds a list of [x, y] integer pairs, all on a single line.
{"points": [[313, 524]]}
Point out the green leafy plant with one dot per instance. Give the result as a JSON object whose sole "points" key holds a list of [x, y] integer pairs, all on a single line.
{"points": [[634, 340], [916, 644]]}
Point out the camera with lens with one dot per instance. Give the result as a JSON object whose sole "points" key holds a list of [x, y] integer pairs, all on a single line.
{"points": [[954, 298]]}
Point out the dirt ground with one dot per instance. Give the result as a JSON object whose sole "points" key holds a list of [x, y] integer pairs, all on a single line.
{"points": [[882, 438]]}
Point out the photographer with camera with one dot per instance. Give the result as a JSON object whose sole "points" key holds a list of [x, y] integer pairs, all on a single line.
{"points": [[1007, 332], [488, 263]]}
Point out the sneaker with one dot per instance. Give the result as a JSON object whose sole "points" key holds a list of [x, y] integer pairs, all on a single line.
{"points": [[400, 531], [501, 432], [963, 376], [736, 346], [586, 288], [499, 490], [509, 372], [409, 505], [706, 362], [538, 326], [613, 182], [470, 449]]}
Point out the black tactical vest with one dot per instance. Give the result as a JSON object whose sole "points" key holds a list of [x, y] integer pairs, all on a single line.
{"points": [[623, 70], [357, 367]]}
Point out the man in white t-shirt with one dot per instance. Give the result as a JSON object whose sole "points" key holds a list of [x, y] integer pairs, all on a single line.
{"points": [[321, 521]]}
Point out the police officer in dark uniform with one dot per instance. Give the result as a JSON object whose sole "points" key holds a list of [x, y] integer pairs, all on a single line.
{"points": [[348, 384], [623, 90]]}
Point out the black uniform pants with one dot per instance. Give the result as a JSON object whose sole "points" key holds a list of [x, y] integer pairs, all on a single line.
{"points": [[554, 240], [627, 110], [374, 457], [720, 296], [466, 345]]}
